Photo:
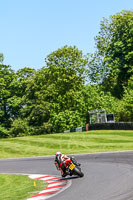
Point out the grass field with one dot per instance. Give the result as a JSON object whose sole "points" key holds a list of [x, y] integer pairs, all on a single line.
{"points": [[69, 143], [16, 187], [20, 187]]}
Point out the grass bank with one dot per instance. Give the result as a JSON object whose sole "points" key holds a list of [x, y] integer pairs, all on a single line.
{"points": [[69, 143], [16, 187]]}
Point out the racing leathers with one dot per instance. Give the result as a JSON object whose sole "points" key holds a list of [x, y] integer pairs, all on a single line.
{"points": [[60, 163]]}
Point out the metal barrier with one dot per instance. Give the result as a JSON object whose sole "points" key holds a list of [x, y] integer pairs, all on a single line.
{"points": [[104, 126], [112, 126]]}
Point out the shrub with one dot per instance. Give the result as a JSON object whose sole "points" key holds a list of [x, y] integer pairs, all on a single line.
{"points": [[19, 128], [3, 132], [46, 128], [66, 120]]}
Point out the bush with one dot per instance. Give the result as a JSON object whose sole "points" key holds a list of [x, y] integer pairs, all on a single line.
{"points": [[19, 128], [3, 132], [46, 128], [66, 120]]}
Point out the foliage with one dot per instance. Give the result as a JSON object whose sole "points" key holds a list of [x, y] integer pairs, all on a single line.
{"points": [[19, 85], [114, 45], [96, 69], [19, 128], [99, 99], [66, 120], [126, 109], [56, 89], [6, 77], [67, 64], [1, 57], [45, 128], [12, 89], [3, 132], [23, 76]]}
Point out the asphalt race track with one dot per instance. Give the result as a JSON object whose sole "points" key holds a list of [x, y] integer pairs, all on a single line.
{"points": [[108, 176]]}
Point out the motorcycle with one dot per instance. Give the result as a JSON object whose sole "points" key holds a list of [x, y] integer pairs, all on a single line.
{"points": [[72, 167]]}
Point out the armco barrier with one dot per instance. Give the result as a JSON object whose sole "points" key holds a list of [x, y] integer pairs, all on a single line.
{"points": [[84, 128], [73, 130], [104, 126], [79, 129], [68, 131], [112, 126]]}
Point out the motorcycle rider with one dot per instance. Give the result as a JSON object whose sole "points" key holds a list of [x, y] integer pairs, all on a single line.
{"points": [[60, 162]]}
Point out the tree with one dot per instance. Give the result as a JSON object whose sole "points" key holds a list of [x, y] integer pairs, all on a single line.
{"points": [[12, 90], [1, 57], [66, 75], [56, 88], [3, 132], [127, 112], [96, 69], [18, 90], [22, 77], [6, 77], [115, 46], [19, 128], [98, 99]]}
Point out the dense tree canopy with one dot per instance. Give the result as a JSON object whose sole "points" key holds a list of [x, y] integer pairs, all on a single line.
{"points": [[57, 89], [115, 48], [128, 101], [6, 92], [57, 97]]}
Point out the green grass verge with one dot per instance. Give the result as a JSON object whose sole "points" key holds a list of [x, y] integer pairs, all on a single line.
{"points": [[69, 143], [19, 187]]}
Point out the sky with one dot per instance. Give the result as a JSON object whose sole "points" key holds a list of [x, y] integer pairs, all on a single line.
{"points": [[32, 29]]}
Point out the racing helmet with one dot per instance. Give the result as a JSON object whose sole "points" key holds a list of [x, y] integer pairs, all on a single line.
{"points": [[58, 153]]}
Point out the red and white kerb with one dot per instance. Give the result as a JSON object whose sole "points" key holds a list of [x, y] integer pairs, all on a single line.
{"points": [[55, 185]]}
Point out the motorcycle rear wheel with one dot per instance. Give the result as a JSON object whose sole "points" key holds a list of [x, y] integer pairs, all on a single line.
{"points": [[78, 172]]}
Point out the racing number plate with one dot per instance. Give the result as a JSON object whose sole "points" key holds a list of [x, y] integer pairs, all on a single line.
{"points": [[71, 167]]}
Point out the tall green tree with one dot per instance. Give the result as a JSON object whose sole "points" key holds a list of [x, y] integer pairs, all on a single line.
{"points": [[127, 111], [66, 69], [57, 89], [67, 72], [6, 77], [114, 45], [19, 85]]}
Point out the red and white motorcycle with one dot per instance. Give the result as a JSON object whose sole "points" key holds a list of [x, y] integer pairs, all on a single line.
{"points": [[72, 167]]}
